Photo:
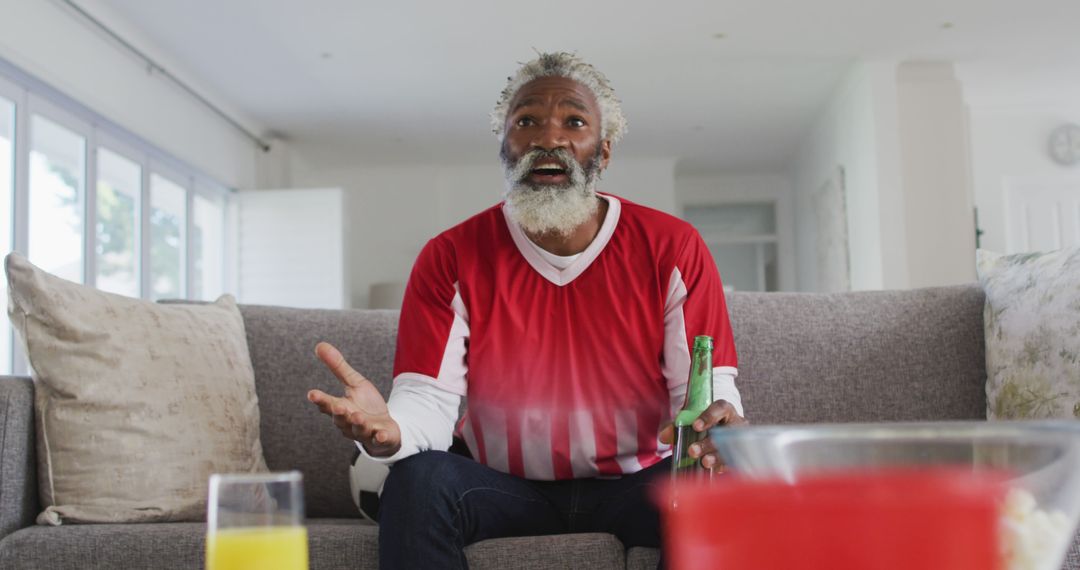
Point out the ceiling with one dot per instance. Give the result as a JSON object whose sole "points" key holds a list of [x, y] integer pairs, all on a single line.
{"points": [[716, 84]]}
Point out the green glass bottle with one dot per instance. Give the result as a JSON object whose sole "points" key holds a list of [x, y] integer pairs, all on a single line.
{"points": [[699, 396]]}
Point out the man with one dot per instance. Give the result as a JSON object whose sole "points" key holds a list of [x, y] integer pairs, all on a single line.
{"points": [[565, 317]]}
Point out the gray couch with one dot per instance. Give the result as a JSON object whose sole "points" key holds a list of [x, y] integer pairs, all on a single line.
{"points": [[874, 356]]}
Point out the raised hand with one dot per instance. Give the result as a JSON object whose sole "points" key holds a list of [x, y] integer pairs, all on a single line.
{"points": [[361, 414], [721, 413]]}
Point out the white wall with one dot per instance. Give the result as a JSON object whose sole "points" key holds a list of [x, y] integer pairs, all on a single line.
{"points": [[939, 207], [392, 211], [898, 131], [292, 248], [646, 181], [51, 42], [853, 132], [703, 189], [1010, 142]]}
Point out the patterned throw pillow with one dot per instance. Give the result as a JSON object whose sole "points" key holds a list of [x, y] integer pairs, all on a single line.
{"points": [[1032, 321], [136, 403]]}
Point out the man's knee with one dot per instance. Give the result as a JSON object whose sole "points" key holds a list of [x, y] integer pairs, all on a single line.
{"points": [[426, 474]]}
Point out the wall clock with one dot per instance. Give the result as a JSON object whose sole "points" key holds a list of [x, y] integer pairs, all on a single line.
{"points": [[1065, 145]]}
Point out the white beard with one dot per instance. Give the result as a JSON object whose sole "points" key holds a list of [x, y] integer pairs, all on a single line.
{"points": [[542, 209]]}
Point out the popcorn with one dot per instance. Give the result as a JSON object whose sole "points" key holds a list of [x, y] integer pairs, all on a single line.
{"points": [[1031, 538]]}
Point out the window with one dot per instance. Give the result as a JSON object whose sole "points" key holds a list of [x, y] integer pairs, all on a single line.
{"points": [[168, 221], [743, 242], [90, 202], [57, 186], [207, 248], [7, 194], [119, 189]]}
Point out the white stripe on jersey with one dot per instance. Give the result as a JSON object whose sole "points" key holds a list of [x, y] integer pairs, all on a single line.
{"points": [[493, 426], [676, 365], [582, 444], [453, 370], [536, 445], [627, 429]]}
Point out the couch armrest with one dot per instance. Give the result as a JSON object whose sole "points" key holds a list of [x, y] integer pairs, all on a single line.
{"points": [[18, 459]]}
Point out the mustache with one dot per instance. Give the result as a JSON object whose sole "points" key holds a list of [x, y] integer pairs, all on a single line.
{"points": [[518, 169]]}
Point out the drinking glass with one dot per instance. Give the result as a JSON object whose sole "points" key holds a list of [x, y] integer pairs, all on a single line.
{"points": [[256, 521]]}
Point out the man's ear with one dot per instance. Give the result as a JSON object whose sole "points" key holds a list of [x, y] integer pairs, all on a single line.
{"points": [[605, 153]]}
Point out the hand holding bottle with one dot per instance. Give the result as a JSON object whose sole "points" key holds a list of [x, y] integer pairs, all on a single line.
{"points": [[719, 413], [692, 450]]}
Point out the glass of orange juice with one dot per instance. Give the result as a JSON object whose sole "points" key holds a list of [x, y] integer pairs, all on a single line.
{"points": [[256, 521]]}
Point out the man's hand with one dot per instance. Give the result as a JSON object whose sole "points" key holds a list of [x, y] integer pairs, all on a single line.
{"points": [[719, 413], [362, 414]]}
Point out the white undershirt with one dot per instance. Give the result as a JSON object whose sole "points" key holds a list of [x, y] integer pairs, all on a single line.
{"points": [[558, 261]]}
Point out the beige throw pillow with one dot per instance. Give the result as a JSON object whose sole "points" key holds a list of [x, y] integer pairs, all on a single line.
{"points": [[136, 403], [1032, 322]]}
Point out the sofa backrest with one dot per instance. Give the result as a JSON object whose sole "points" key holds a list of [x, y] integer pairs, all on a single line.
{"points": [[865, 356], [294, 434], [873, 356]]}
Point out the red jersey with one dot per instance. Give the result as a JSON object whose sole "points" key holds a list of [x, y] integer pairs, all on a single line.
{"points": [[568, 372]]}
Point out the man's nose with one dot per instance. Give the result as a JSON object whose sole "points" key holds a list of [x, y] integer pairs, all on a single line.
{"points": [[550, 137]]}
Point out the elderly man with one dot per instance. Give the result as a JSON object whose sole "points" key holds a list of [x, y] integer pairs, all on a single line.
{"points": [[564, 316]]}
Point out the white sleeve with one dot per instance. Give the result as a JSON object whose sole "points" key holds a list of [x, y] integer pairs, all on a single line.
{"points": [[723, 388], [676, 368]]}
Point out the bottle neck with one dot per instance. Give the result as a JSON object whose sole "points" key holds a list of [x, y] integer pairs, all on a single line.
{"points": [[699, 388]]}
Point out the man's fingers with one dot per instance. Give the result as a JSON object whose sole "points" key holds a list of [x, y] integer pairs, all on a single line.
{"points": [[713, 461], [333, 360], [701, 448], [361, 428], [326, 403], [667, 434], [719, 412], [316, 396]]}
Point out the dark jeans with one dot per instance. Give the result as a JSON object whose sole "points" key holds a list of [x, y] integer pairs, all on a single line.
{"points": [[435, 503]]}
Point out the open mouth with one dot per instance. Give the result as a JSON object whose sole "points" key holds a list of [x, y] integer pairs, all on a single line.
{"points": [[549, 173]]}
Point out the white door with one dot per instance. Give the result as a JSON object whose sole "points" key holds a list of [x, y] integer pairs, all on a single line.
{"points": [[1042, 215], [291, 248]]}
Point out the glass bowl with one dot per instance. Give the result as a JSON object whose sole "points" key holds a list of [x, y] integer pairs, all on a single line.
{"points": [[1039, 462]]}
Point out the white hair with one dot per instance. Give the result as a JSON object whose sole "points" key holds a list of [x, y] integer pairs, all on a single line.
{"points": [[570, 66]]}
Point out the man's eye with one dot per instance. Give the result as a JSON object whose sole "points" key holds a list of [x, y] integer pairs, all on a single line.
{"points": [[576, 122], [524, 122]]}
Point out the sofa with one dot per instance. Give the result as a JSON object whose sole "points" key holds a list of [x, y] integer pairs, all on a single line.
{"points": [[803, 358]]}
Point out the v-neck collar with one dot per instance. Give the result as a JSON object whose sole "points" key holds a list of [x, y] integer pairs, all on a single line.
{"points": [[558, 276]]}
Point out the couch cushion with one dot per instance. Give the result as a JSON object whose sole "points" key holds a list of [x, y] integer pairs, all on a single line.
{"points": [[641, 558], [136, 403], [294, 434], [867, 356], [585, 550], [333, 544], [18, 468], [1032, 334]]}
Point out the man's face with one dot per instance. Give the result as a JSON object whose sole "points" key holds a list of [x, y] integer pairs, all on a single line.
{"points": [[548, 114], [552, 154]]}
